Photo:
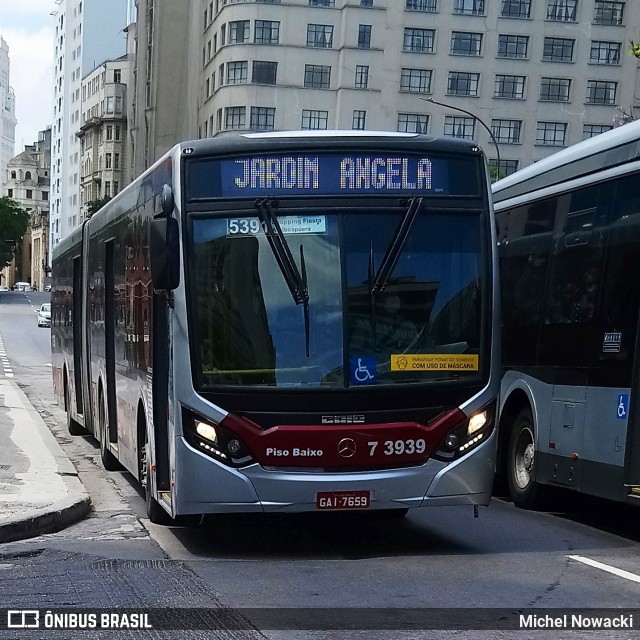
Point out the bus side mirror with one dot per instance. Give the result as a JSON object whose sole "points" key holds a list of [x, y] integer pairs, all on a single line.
{"points": [[164, 247]]}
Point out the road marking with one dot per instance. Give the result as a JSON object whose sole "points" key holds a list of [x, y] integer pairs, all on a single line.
{"points": [[6, 365], [605, 567]]}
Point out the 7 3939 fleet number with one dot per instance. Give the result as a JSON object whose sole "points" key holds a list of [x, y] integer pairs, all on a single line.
{"points": [[398, 447]]}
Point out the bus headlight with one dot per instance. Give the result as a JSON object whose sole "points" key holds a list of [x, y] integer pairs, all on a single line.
{"points": [[467, 435], [215, 441], [476, 422], [207, 431]]}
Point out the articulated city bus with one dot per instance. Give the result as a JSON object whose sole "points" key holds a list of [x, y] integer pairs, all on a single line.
{"points": [[569, 247], [288, 322]]}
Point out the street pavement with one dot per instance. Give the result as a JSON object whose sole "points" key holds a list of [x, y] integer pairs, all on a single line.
{"points": [[40, 491]]}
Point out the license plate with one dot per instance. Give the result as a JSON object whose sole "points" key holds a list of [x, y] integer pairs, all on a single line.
{"points": [[326, 500]]}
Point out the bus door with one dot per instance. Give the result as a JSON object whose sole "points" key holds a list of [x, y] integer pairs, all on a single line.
{"points": [[570, 328]]}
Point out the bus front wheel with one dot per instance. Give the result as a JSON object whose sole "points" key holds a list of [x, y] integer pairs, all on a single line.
{"points": [[525, 492]]}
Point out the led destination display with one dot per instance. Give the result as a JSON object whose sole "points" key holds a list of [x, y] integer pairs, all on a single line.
{"points": [[308, 174]]}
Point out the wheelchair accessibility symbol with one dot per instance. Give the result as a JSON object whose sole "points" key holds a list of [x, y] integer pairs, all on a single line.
{"points": [[623, 405], [363, 370]]}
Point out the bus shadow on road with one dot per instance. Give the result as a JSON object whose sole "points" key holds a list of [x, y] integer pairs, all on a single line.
{"points": [[315, 535]]}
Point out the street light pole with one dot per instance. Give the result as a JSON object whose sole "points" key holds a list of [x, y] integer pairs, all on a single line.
{"points": [[448, 106]]}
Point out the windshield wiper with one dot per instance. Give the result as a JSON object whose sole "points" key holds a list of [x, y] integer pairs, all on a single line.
{"points": [[381, 278], [296, 281]]}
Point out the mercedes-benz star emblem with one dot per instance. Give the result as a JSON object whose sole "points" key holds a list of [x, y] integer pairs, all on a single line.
{"points": [[346, 447]]}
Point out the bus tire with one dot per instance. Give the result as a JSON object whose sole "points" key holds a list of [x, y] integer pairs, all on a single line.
{"points": [[73, 426], [155, 512], [109, 461], [525, 492]]}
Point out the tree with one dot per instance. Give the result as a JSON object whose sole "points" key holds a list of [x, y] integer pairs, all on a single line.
{"points": [[13, 224], [94, 205]]}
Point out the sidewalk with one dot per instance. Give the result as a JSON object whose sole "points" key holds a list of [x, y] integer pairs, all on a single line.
{"points": [[40, 491]]}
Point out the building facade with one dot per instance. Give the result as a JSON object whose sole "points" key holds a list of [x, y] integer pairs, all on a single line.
{"points": [[103, 134], [87, 32], [541, 74], [27, 182], [7, 110]]}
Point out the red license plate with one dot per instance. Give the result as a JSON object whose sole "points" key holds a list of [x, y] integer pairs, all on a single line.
{"points": [[326, 500]]}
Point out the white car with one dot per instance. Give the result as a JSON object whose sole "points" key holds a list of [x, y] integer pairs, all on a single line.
{"points": [[44, 315]]}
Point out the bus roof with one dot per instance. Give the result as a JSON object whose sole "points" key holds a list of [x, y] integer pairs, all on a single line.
{"points": [[612, 148], [305, 140]]}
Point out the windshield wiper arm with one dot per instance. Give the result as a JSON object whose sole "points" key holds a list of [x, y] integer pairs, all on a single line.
{"points": [[394, 250], [296, 281]]}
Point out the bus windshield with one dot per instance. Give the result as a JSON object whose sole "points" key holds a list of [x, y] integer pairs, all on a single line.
{"points": [[423, 325]]}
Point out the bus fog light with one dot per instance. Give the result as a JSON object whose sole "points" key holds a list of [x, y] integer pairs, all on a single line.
{"points": [[451, 441], [233, 446], [207, 431], [476, 422]]}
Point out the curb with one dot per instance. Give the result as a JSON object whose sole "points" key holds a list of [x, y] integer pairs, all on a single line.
{"points": [[58, 516]]}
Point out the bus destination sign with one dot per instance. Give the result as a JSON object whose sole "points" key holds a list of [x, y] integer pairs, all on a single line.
{"points": [[296, 174]]}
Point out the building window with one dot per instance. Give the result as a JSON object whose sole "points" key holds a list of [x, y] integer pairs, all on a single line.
{"points": [[362, 76], [364, 36], [555, 89], [262, 118], [314, 119], [601, 92], [605, 52], [237, 72], [509, 86], [107, 161], [266, 32], [515, 9], [418, 40], [506, 131], [10, 193], [469, 7], [117, 76], [551, 134], [412, 122], [116, 160], [610, 13], [235, 117], [320, 35], [366, 3], [29, 194], [429, 6], [506, 168], [558, 49], [461, 83], [264, 72], [562, 10], [512, 46], [590, 130], [238, 31], [466, 44], [107, 189], [317, 76], [459, 127], [322, 3], [416, 80], [358, 119]]}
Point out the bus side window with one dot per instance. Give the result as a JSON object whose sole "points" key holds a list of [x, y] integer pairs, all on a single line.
{"points": [[526, 236], [575, 273], [621, 293]]}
